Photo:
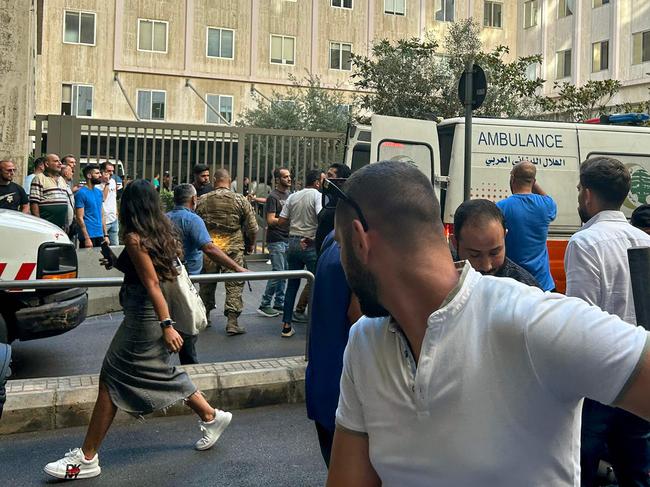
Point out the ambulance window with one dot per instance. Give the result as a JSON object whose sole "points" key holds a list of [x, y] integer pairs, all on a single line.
{"points": [[421, 155], [360, 156]]}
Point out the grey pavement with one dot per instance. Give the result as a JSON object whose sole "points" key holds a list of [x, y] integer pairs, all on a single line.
{"points": [[274, 446], [81, 350]]}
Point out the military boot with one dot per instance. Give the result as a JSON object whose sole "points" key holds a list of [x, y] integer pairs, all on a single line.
{"points": [[232, 328]]}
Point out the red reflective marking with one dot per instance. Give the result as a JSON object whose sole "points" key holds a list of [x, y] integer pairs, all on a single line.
{"points": [[2, 268], [25, 271], [392, 144]]}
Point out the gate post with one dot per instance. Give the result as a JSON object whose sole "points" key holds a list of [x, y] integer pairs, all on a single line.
{"points": [[63, 136]]}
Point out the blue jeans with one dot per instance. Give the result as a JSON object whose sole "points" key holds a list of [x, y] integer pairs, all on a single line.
{"points": [[619, 437], [275, 287], [297, 259], [113, 230]]}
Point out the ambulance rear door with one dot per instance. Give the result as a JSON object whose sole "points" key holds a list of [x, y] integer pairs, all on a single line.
{"points": [[409, 140]]}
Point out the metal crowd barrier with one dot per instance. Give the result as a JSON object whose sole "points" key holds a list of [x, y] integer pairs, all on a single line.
{"points": [[87, 282]]}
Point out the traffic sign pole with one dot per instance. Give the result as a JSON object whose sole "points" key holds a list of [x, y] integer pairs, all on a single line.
{"points": [[469, 78]]}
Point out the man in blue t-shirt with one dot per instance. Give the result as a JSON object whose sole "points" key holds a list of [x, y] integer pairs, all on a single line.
{"points": [[196, 242], [333, 311], [88, 212], [528, 213]]}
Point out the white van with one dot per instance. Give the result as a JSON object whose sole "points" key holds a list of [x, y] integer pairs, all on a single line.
{"points": [[497, 144]]}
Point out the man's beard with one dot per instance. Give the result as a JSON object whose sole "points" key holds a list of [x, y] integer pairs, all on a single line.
{"points": [[584, 217], [96, 181], [364, 286]]}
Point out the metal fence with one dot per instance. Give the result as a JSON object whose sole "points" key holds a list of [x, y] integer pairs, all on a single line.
{"points": [[148, 149]]}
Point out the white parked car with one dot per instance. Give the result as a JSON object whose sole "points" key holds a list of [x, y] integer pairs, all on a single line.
{"points": [[32, 248]]}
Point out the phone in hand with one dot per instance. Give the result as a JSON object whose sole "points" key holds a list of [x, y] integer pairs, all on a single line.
{"points": [[107, 254]]}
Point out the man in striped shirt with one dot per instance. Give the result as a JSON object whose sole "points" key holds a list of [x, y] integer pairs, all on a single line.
{"points": [[48, 195]]}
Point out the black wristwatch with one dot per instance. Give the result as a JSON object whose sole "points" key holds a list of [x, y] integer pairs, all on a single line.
{"points": [[166, 323]]}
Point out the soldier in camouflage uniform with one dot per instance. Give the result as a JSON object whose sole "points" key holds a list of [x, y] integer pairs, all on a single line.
{"points": [[231, 222]]}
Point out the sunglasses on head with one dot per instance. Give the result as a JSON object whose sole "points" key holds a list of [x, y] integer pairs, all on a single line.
{"points": [[332, 189]]}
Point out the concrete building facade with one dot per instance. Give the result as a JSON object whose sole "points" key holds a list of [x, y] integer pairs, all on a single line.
{"points": [[582, 40], [113, 59], [224, 48]]}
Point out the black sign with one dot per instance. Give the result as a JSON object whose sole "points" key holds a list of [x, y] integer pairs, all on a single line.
{"points": [[479, 87]]}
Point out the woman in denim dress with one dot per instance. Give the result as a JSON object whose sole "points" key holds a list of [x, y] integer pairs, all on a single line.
{"points": [[136, 374]]}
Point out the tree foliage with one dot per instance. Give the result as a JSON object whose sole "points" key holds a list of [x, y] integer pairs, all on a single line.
{"points": [[304, 106], [416, 78], [587, 101]]}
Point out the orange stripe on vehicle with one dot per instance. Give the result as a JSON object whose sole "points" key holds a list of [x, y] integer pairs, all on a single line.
{"points": [[25, 271], [556, 250]]}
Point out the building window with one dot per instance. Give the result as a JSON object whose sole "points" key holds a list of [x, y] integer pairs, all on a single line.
{"points": [[599, 56], [395, 7], [152, 35], [444, 10], [531, 71], [342, 3], [79, 28], [600, 3], [563, 64], [641, 47], [530, 14], [221, 43], [566, 8], [340, 56], [283, 50], [492, 14], [77, 100], [223, 103], [151, 104]]}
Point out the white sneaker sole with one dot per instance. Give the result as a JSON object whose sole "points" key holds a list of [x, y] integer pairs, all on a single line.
{"points": [[266, 315], [84, 474], [222, 428]]}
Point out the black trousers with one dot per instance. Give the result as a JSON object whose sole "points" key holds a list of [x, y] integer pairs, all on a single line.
{"points": [[187, 353], [97, 242], [325, 439]]}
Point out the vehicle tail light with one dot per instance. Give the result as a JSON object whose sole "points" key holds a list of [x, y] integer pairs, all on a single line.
{"points": [[64, 275]]}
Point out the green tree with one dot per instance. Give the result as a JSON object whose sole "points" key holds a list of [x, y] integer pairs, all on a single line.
{"points": [[306, 105], [416, 78], [587, 101]]}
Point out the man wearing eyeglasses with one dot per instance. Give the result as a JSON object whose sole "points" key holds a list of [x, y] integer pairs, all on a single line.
{"points": [[12, 196], [458, 378], [301, 213]]}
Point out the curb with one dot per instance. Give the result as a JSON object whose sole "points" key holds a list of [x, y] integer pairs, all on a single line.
{"points": [[63, 402]]}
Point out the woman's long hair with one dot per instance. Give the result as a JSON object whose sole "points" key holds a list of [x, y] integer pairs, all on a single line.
{"points": [[141, 213]]}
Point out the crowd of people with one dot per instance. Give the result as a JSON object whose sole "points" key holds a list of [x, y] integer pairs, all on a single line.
{"points": [[465, 366], [87, 211]]}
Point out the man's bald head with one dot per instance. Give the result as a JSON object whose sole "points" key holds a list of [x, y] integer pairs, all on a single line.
{"points": [[397, 200], [221, 176], [523, 175]]}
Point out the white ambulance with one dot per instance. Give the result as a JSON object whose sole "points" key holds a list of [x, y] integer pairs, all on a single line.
{"points": [[497, 144], [32, 248]]}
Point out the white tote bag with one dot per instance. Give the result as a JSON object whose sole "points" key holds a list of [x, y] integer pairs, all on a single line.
{"points": [[185, 305]]}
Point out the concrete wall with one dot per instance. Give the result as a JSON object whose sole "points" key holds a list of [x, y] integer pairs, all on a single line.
{"points": [[101, 300], [17, 35]]}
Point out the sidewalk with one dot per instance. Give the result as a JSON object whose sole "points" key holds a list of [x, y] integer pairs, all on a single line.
{"points": [[63, 402]]}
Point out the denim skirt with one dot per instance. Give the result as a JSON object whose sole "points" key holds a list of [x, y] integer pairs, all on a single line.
{"points": [[137, 370]]}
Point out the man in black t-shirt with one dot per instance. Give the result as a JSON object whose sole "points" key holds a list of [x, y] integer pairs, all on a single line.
{"points": [[480, 237], [277, 237], [12, 195]]}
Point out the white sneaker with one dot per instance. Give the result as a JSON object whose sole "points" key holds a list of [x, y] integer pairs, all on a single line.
{"points": [[74, 466], [212, 430]]}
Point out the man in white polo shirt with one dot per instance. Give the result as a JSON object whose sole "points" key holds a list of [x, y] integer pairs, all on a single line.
{"points": [[455, 378]]}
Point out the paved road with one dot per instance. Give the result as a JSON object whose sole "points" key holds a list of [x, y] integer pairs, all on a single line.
{"points": [[273, 446], [81, 350]]}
